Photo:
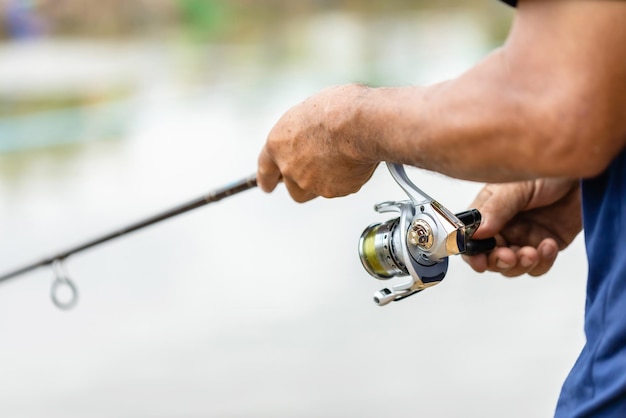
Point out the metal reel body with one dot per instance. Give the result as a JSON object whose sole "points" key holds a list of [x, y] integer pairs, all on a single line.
{"points": [[415, 245], [386, 252]]}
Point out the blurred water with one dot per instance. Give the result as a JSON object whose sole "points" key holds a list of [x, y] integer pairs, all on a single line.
{"points": [[257, 306]]}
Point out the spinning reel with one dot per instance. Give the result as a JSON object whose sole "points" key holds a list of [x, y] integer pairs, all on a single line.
{"points": [[418, 242]]}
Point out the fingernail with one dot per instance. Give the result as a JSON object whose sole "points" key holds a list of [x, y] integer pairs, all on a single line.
{"points": [[548, 251], [526, 262], [502, 265]]}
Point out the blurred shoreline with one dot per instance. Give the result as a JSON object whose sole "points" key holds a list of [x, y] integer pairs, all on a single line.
{"points": [[205, 20], [99, 57]]}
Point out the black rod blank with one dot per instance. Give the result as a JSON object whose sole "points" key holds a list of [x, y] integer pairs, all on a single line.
{"points": [[213, 196]]}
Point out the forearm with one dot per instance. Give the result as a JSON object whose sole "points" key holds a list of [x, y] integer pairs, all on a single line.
{"points": [[474, 127], [528, 110]]}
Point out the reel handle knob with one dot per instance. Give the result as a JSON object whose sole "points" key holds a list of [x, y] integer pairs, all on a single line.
{"points": [[384, 296]]}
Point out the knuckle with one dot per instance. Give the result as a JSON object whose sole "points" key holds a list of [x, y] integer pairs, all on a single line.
{"points": [[305, 183]]}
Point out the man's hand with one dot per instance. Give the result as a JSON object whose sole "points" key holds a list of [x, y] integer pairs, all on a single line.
{"points": [[531, 221], [314, 148]]}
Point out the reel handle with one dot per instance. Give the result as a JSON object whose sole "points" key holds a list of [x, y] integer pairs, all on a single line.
{"points": [[479, 246]]}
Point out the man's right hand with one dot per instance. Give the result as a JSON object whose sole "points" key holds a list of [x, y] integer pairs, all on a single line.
{"points": [[531, 220]]}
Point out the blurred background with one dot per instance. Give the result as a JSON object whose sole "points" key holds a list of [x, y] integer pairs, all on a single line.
{"points": [[255, 306]]}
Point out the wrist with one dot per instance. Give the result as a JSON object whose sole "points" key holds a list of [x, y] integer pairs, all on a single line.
{"points": [[356, 128], [391, 124]]}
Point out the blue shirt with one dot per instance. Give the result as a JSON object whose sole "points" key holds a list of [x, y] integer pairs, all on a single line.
{"points": [[596, 386]]}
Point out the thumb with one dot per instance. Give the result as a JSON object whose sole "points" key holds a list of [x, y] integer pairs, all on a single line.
{"points": [[268, 173], [498, 204]]}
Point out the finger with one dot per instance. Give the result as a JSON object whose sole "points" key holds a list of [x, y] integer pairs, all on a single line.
{"points": [[548, 250], [501, 260], [268, 173], [483, 195], [527, 258], [480, 262], [297, 193], [477, 262], [513, 261]]}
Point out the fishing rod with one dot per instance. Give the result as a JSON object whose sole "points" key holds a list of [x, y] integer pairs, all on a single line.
{"points": [[57, 261], [414, 246]]}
